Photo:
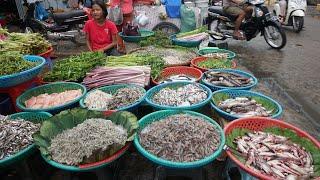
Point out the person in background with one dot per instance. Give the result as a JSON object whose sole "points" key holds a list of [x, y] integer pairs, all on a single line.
{"points": [[101, 33]]}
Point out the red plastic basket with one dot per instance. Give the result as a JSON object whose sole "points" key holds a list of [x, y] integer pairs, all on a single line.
{"points": [[48, 53], [189, 71], [258, 124], [196, 60]]}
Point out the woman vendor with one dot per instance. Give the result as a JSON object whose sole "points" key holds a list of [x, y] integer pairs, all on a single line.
{"points": [[101, 33]]}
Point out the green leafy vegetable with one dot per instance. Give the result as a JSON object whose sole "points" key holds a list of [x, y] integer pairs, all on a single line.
{"points": [[160, 39]]}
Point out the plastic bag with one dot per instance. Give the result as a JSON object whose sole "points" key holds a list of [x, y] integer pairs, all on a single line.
{"points": [[172, 8], [142, 19], [115, 15], [188, 19]]}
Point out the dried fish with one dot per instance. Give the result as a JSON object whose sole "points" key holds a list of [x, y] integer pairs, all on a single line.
{"points": [[15, 135], [216, 55], [282, 160], [180, 138], [179, 77], [98, 100], [72, 146], [183, 96], [244, 107], [227, 79]]}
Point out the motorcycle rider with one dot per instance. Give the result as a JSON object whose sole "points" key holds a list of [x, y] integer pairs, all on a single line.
{"points": [[238, 9]]}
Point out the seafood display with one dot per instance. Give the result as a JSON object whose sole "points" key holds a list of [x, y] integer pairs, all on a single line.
{"points": [[216, 55], [227, 79], [244, 107], [275, 155], [177, 77], [50, 100], [180, 138], [122, 97], [15, 135], [183, 96], [73, 146]]}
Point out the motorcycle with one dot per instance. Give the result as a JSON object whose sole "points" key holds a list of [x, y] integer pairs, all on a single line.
{"points": [[221, 25], [293, 13], [58, 26]]}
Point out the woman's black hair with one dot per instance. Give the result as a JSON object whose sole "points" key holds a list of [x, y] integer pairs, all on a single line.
{"points": [[102, 6]]}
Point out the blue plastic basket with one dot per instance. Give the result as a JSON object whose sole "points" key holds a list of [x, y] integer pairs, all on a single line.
{"points": [[242, 73], [111, 90], [36, 117], [207, 50], [184, 43], [21, 77], [237, 93], [156, 116], [151, 92]]}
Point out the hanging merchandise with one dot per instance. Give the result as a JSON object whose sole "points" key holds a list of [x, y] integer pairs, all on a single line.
{"points": [[188, 19], [172, 7]]}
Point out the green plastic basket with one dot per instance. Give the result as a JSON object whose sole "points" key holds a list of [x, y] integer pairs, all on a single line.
{"points": [[36, 117], [111, 90], [207, 50], [51, 88], [143, 35], [156, 116]]}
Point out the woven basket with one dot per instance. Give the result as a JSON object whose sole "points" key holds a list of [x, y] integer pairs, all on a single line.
{"points": [[156, 116], [195, 61], [111, 90], [21, 77], [35, 117], [151, 92], [51, 88], [277, 109], [259, 124], [143, 35], [234, 71], [207, 50], [169, 71]]}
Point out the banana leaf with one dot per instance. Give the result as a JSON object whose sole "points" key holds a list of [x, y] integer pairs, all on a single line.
{"points": [[71, 118]]}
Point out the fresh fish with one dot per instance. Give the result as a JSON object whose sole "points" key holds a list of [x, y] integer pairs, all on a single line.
{"points": [[227, 79], [179, 77]]}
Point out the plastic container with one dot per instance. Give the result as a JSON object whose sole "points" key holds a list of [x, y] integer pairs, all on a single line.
{"points": [[234, 71], [259, 124], [143, 35], [51, 88], [238, 93], [48, 53], [21, 77], [195, 61], [156, 116]]}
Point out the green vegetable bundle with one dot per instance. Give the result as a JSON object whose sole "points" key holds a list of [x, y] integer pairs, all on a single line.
{"points": [[12, 62], [196, 31], [25, 43], [156, 62], [74, 68]]}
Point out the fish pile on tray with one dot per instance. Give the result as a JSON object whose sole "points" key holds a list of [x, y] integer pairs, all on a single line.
{"points": [[76, 145], [227, 79], [50, 100], [103, 76], [275, 156], [244, 107], [122, 97], [183, 96], [180, 138], [178, 77], [15, 135]]}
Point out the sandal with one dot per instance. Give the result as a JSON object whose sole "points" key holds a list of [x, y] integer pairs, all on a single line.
{"points": [[241, 37]]}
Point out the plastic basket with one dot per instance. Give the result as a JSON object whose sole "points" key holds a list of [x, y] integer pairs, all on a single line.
{"points": [[143, 35], [195, 61], [169, 71], [51, 88], [207, 50], [21, 77], [151, 92], [48, 53], [36, 117], [259, 124], [239, 72], [237, 93], [184, 43], [156, 116], [111, 90]]}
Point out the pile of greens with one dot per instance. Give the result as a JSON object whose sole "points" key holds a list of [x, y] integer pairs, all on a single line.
{"points": [[213, 63], [25, 43], [74, 68], [12, 62], [160, 39], [302, 141], [155, 62]]}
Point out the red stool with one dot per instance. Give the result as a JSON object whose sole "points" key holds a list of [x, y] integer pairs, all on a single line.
{"points": [[15, 91]]}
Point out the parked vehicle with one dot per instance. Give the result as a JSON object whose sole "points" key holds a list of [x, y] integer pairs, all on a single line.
{"points": [[291, 13], [221, 25]]}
